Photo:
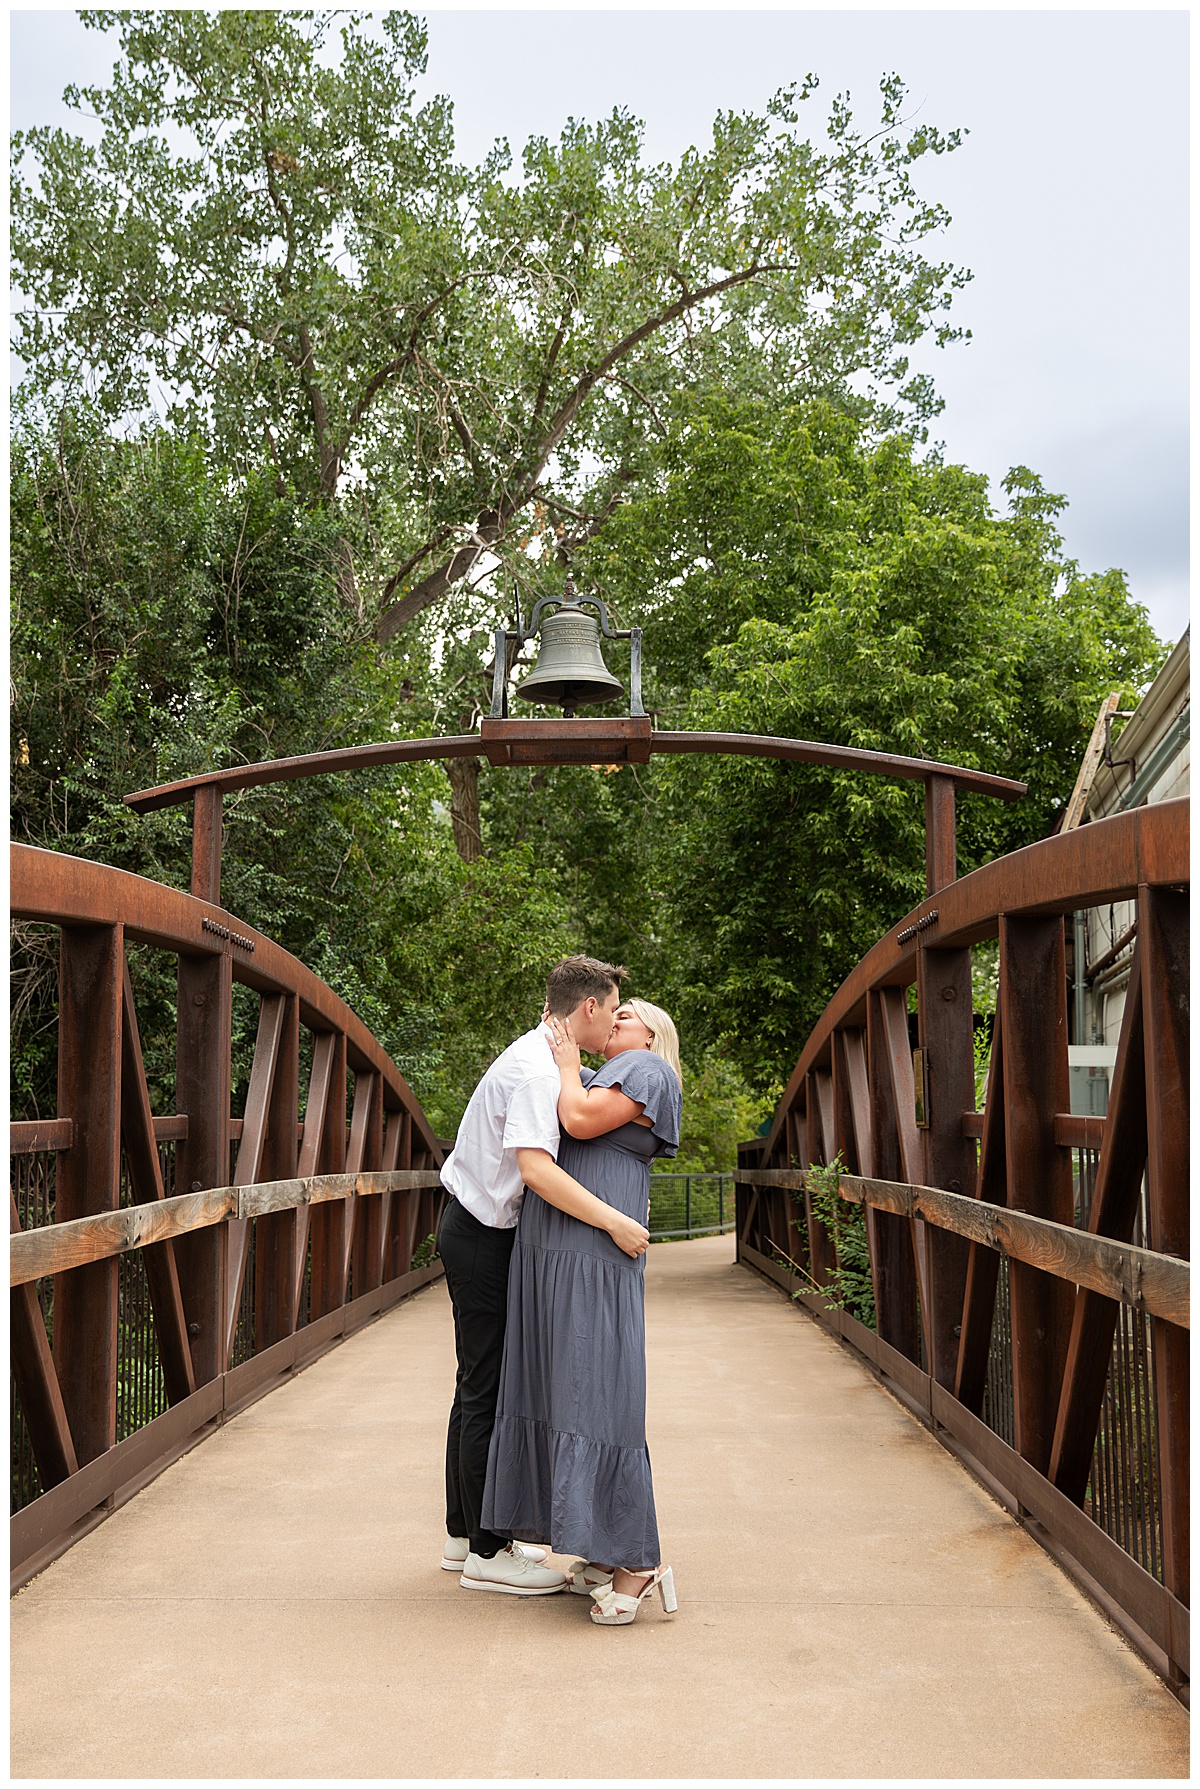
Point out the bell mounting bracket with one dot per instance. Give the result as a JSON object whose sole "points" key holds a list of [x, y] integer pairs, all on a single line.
{"points": [[525, 631]]}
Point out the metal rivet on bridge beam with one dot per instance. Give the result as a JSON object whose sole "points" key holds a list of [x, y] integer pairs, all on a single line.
{"points": [[949, 993]]}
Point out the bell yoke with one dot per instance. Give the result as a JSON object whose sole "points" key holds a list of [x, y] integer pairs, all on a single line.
{"points": [[570, 672]]}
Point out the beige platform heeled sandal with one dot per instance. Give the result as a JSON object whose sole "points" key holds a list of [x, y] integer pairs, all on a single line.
{"points": [[586, 1579], [612, 1608]]}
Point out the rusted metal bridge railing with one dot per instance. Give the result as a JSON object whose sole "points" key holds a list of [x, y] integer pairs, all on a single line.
{"points": [[184, 1263], [1028, 1266]]}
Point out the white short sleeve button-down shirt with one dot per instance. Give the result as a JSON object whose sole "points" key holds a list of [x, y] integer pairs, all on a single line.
{"points": [[515, 1106]]}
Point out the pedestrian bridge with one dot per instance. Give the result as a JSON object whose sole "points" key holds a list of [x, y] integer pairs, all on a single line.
{"points": [[944, 1533], [853, 1603]]}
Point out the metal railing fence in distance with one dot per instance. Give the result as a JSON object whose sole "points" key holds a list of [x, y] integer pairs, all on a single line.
{"points": [[1123, 1494], [683, 1206]]}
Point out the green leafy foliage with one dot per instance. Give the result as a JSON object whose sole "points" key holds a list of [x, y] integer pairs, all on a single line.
{"points": [[849, 1286], [281, 240], [165, 622], [425, 1251], [719, 1111], [816, 583], [981, 1047]]}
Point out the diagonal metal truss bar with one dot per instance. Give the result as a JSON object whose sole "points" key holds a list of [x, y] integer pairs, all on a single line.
{"points": [[366, 1088], [893, 1267], [319, 1082], [983, 1265], [858, 1095], [145, 1178], [250, 1150], [37, 1382], [1113, 1213], [893, 1004]]}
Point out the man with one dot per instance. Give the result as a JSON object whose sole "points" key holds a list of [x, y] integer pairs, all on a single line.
{"points": [[508, 1139]]}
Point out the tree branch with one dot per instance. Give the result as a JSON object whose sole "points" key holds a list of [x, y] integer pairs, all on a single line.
{"points": [[377, 381], [410, 564], [330, 456], [488, 532], [460, 428], [641, 396], [551, 359], [283, 275], [437, 582], [571, 543], [585, 385]]}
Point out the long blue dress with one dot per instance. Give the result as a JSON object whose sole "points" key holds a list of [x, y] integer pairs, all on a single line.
{"points": [[568, 1465]]}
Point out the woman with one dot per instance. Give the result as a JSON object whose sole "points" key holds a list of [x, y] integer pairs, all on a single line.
{"points": [[568, 1465]]}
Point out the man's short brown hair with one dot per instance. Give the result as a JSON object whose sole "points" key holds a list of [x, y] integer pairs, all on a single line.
{"points": [[577, 979]]}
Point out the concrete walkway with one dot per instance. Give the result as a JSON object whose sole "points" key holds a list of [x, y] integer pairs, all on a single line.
{"points": [[852, 1603]]}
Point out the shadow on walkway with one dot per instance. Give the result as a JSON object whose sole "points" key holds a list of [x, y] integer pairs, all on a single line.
{"points": [[852, 1603]]}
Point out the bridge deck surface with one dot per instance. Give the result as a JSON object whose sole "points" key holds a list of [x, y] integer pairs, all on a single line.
{"points": [[852, 1603]]}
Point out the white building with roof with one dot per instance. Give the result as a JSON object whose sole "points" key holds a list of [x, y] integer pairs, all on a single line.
{"points": [[1124, 767]]}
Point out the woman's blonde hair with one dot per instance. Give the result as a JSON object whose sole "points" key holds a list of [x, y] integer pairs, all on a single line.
{"points": [[664, 1039]]}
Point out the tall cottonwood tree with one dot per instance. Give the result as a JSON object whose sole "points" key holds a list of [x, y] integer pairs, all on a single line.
{"points": [[479, 354]]}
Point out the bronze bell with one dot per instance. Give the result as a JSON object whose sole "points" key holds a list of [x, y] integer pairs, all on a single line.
{"points": [[570, 673]]}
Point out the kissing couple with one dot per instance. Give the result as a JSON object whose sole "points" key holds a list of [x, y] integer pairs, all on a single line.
{"points": [[543, 1242]]}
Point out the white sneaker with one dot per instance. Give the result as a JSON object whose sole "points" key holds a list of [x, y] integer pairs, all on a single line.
{"points": [[454, 1553], [512, 1573]]}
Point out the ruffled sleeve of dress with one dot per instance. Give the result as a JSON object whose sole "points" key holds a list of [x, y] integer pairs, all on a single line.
{"points": [[644, 1076]]}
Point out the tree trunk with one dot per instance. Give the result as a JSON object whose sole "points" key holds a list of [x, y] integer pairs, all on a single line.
{"points": [[488, 528], [464, 806]]}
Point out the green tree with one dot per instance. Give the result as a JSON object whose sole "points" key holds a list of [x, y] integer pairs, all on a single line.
{"points": [[798, 576], [719, 1111], [402, 394], [164, 622], [291, 249], [811, 582]]}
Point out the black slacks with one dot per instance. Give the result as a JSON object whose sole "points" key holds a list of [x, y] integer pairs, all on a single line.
{"points": [[476, 1259]]}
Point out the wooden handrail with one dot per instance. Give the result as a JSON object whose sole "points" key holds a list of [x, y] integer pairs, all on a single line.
{"points": [[56, 1248], [1157, 1284]]}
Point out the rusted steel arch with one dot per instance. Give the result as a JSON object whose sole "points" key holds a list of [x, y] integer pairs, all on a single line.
{"points": [[290, 770], [1087, 867], [587, 741], [1077, 1397], [73, 891]]}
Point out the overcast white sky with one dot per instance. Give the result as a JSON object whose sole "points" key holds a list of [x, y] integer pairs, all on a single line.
{"points": [[1070, 205]]}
